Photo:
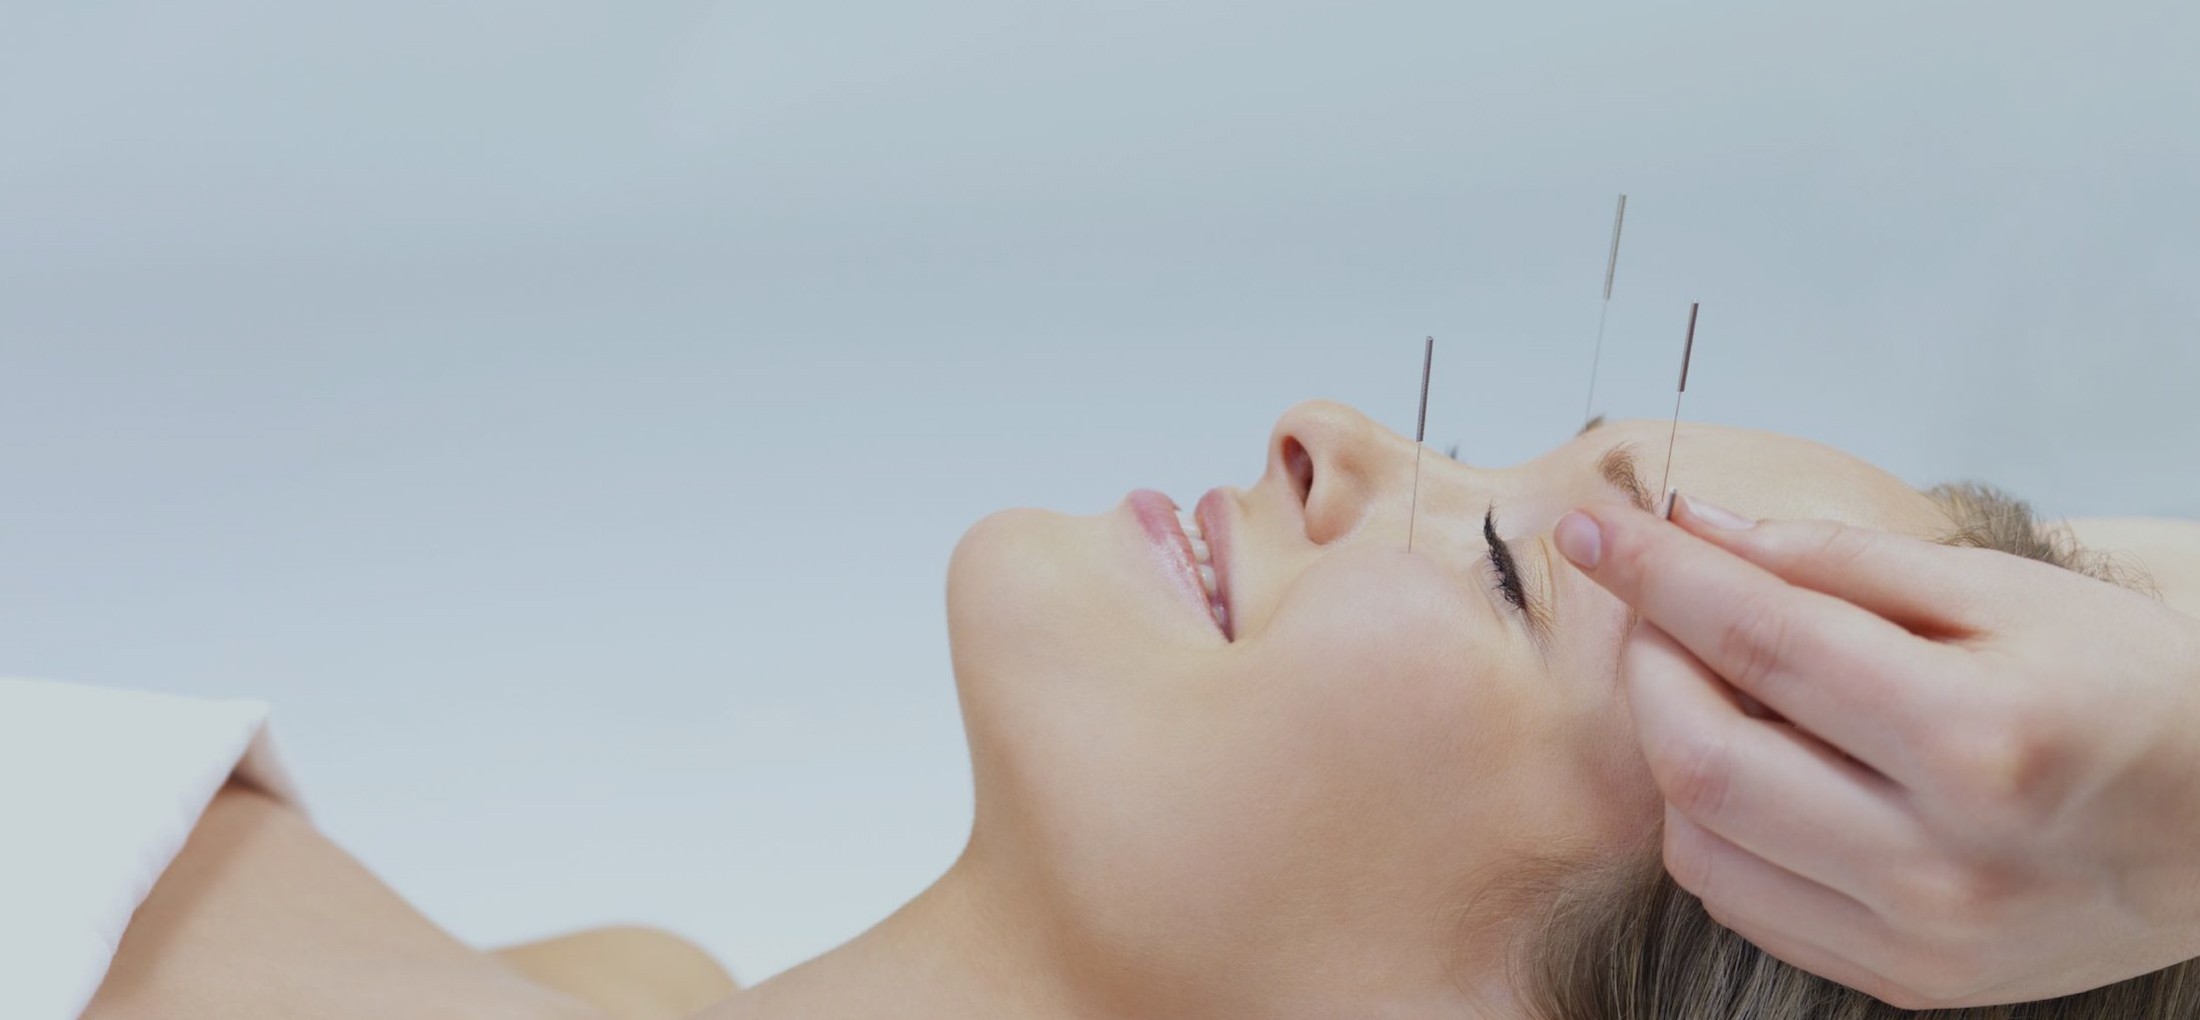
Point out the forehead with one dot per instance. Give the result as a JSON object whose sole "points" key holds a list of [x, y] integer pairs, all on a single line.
{"points": [[1762, 474]]}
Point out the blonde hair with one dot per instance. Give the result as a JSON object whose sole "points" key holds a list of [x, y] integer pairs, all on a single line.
{"points": [[1622, 941]]}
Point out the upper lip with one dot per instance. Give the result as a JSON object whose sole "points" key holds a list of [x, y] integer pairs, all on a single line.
{"points": [[1161, 518], [1213, 514]]}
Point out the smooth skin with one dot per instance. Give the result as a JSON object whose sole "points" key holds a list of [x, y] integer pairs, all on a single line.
{"points": [[261, 917], [1958, 777], [627, 971]]}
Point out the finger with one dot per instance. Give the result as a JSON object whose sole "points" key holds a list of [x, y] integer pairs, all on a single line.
{"points": [[1764, 786], [1925, 586], [1797, 950], [1766, 904], [1859, 682]]}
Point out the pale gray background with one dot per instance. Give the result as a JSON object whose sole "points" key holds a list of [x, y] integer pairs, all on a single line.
{"points": [[564, 413]]}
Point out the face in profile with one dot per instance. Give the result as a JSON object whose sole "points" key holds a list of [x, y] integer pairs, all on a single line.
{"points": [[1334, 777]]}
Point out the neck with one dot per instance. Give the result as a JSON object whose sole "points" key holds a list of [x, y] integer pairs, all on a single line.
{"points": [[962, 950], [950, 952]]}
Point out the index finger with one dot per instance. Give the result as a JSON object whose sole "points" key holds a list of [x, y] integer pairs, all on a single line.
{"points": [[1849, 677]]}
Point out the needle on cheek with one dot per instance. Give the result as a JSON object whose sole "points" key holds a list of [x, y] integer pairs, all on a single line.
{"points": [[1420, 432]]}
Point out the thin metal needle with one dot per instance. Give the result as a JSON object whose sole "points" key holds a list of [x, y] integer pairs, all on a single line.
{"points": [[1420, 432], [1688, 349], [1611, 268]]}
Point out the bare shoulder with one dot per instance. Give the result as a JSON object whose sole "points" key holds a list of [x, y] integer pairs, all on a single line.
{"points": [[261, 917], [632, 973], [2167, 549]]}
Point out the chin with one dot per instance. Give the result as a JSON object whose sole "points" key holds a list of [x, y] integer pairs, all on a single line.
{"points": [[1012, 582]]}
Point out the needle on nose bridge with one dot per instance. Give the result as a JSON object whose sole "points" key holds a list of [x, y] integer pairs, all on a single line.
{"points": [[1420, 432]]}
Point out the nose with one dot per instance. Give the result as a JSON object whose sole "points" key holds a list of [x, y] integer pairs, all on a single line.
{"points": [[1342, 466]]}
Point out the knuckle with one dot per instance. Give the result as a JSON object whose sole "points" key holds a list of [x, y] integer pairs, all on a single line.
{"points": [[1834, 545], [1696, 775], [1999, 768], [1754, 643], [1649, 558], [1631, 557], [1692, 866], [1946, 904]]}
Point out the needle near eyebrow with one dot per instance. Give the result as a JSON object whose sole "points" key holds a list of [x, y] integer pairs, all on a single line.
{"points": [[1420, 432], [1611, 268], [1688, 349]]}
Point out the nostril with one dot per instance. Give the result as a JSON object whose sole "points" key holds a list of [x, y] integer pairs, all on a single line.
{"points": [[1300, 465]]}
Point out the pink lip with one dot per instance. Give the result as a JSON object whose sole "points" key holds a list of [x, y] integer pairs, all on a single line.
{"points": [[1213, 515], [1156, 515]]}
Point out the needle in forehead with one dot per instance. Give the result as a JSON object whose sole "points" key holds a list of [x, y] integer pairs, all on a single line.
{"points": [[1688, 348], [1420, 432], [1611, 267]]}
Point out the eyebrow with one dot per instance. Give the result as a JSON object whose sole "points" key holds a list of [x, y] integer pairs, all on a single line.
{"points": [[1618, 468]]}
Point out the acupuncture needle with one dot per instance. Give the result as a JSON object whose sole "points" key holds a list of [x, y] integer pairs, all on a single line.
{"points": [[1688, 348], [1420, 432], [1611, 268]]}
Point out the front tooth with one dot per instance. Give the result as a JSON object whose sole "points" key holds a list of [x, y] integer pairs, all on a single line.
{"points": [[1207, 579], [1199, 548]]}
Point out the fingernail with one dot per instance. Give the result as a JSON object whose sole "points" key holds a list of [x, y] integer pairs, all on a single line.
{"points": [[1715, 515], [1578, 539]]}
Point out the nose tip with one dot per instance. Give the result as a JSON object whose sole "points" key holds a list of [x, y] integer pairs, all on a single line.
{"points": [[1337, 463]]}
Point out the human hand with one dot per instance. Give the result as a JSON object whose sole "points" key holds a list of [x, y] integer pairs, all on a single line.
{"points": [[1978, 780]]}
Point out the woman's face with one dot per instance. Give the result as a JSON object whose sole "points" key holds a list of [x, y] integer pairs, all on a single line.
{"points": [[1327, 788]]}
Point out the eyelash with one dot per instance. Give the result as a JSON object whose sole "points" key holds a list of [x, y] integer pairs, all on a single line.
{"points": [[1501, 558], [1500, 555]]}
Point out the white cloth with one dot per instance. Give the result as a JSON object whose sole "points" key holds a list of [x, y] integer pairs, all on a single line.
{"points": [[98, 790]]}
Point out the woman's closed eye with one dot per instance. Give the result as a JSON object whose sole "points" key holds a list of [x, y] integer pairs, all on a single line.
{"points": [[1508, 572], [1510, 584]]}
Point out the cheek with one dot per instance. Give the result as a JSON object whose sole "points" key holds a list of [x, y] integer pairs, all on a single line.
{"points": [[1385, 670], [1398, 686]]}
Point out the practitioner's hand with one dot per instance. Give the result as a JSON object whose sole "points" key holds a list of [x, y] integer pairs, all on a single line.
{"points": [[1978, 780]]}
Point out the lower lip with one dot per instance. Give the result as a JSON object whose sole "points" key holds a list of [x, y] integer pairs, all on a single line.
{"points": [[1156, 515]]}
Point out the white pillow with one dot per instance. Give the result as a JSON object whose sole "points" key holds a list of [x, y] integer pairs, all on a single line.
{"points": [[98, 790]]}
